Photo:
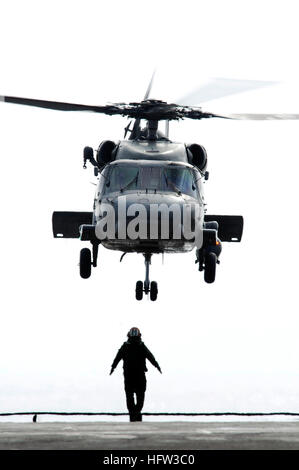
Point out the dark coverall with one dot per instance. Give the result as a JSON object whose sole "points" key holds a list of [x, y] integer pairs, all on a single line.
{"points": [[134, 354]]}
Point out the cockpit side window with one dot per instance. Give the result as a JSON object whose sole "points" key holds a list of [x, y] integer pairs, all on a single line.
{"points": [[180, 180], [121, 177]]}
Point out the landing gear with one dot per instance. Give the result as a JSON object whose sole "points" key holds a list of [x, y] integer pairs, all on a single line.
{"points": [[139, 290], [210, 267], [147, 287], [207, 261], [85, 260], [85, 263], [154, 291]]}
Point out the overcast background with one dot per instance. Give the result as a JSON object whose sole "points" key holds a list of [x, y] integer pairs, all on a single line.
{"points": [[229, 346]]}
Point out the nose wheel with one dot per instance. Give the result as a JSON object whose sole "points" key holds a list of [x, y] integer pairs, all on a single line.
{"points": [[146, 287]]}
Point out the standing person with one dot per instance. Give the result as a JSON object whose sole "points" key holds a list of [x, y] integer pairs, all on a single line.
{"points": [[134, 354]]}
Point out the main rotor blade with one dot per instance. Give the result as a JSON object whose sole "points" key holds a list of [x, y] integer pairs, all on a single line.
{"points": [[136, 128], [260, 117], [219, 88], [60, 106], [198, 113], [147, 93], [155, 110]]}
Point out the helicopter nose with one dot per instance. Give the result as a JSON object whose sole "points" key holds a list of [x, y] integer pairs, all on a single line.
{"points": [[156, 220]]}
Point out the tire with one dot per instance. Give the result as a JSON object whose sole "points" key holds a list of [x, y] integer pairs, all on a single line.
{"points": [[154, 291], [139, 290], [85, 263], [210, 267]]}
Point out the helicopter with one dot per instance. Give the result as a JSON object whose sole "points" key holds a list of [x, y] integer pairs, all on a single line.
{"points": [[159, 179]]}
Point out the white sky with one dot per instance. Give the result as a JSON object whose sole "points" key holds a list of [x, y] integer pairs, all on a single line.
{"points": [[230, 346]]}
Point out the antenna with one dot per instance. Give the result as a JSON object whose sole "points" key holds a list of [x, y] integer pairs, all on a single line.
{"points": [[167, 128]]}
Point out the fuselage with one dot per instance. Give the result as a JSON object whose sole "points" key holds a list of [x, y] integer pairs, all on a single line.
{"points": [[149, 199]]}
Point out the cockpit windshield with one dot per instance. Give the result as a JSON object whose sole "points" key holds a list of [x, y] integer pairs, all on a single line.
{"points": [[178, 179]]}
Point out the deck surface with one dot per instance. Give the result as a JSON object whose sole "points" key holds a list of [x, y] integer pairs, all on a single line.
{"points": [[150, 435]]}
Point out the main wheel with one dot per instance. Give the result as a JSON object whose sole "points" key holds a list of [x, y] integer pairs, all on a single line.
{"points": [[85, 263], [210, 267], [139, 290], [154, 290]]}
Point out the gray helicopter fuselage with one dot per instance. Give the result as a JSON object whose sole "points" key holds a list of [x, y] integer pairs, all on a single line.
{"points": [[149, 196], [161, 150], [157, 176]]}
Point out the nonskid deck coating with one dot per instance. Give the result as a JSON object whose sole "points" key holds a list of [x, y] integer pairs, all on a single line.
{"points": [[150, 435]]}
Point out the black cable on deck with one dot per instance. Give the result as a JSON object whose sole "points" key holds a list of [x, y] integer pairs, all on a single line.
{"points": [[65, 413]]}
